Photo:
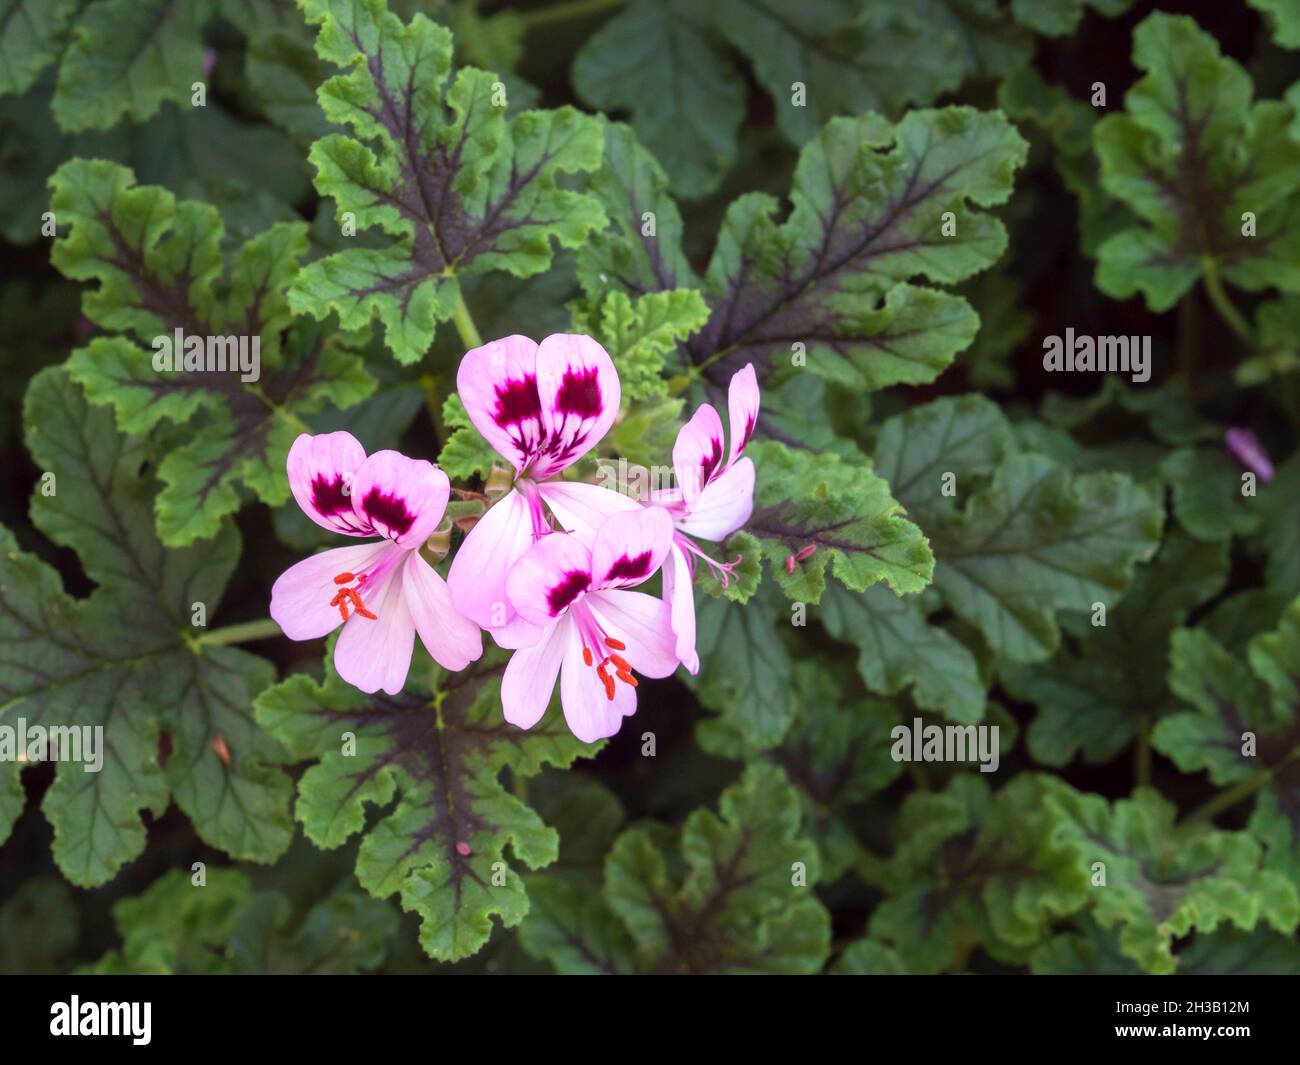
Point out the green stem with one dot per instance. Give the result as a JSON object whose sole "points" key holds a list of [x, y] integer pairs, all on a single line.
{"points": [[1229, 797], [569, 9], [261, 629], [469, 334], [1223, 303]]}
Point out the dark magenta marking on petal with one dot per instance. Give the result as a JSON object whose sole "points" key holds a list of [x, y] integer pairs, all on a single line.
{"points": [[579, 394], [388, 510], [564, 593], [517, 401], [330, 497], [709, 464], [630, 568], [749, 432]]}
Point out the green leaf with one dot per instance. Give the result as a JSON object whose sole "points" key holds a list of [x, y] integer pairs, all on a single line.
{"points": [[1036, 541], [724, 900], [221, 926], [845, 512], [1278, 534], [686, 99], [639, 336], [834, 57], [160, 269], [465, 454], [744, 669], [898, 648], [1245, 728], [442, 848], [1033, 541], [837, 753], [38, 927], [1056, 18], [32, 34], [127, 57], [1069, 123], [866, 957], [128, 659], [1190, 156], [972, 867], [1163, 881], [1283, 19], [829, 285], [436, 165], [1092, 698], [1207, 491]]}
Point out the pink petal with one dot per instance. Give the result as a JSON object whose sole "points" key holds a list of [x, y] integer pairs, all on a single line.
{"points": [[590, 713], [630, 546], [697, 454], [477, 577], [579, 391], [582, 508], [724, 505], [300, 597], [497, 384], [320, 471], [452, 639], [552, 575], [742, 409], [641, 622], [371, 655], [402, 499], [516, 633], [530, 675], [680, 596]]}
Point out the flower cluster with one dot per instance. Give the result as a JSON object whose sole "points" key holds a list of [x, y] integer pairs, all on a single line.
{"points": [[549, 569]]}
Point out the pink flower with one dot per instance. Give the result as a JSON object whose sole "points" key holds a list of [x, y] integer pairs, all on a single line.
{"points": [[541, 407], [711, 501], [594, 633], [381, 592]]}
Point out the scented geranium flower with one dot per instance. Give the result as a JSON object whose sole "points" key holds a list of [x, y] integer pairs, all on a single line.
{"points": [[595, 634], [541, 407], [381, 592], [711, 501]]}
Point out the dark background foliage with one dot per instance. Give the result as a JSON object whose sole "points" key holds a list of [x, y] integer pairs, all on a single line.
{"points": [[1045, 281]]}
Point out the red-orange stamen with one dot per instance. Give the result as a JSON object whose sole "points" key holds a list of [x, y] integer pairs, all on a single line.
{"points": [[618, 645], [620, 663], [344, 596], [586, 655]]}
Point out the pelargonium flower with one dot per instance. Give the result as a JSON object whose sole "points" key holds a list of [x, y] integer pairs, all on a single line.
{"points": [[712, 499], [541, 407], [381, 592], [594, 633]]}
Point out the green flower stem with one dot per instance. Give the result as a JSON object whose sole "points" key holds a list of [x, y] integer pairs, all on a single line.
{"points": [[569, 9], [465, 326], [1229, 797], [1223, 303], [261, 629]]}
